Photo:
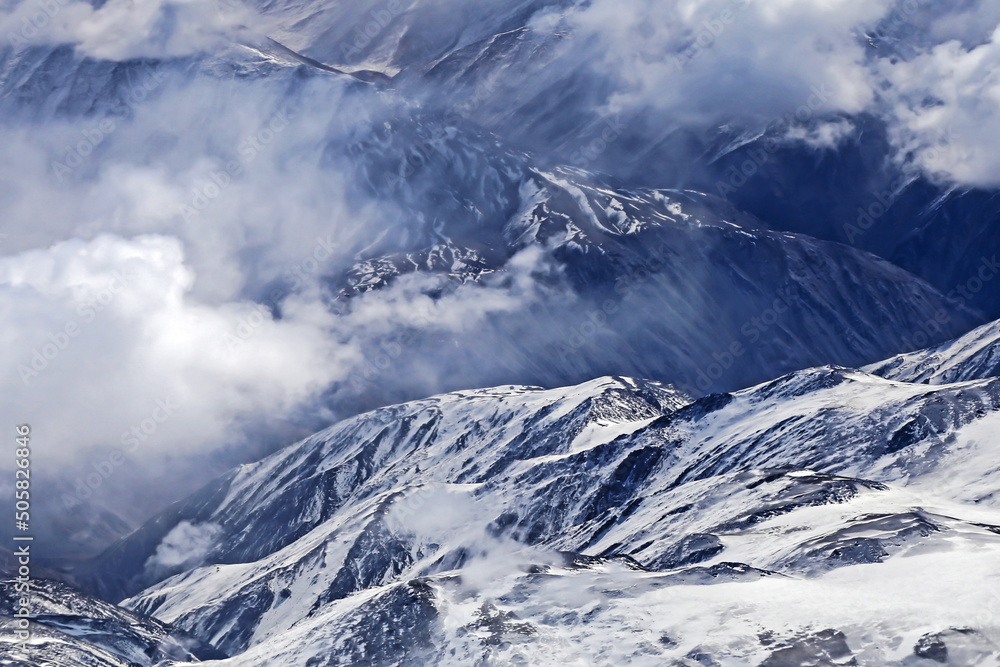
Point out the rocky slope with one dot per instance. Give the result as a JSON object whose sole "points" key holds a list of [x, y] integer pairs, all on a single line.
{"points": [[973, 356], [68, 627], [832, 516]]}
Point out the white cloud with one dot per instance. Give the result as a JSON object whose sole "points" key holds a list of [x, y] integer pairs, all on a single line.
{"points": [[932, 74], [159, 172], [945, 105], [706, 60], [123, 29], [824, 134], [187, 545], [101, 331]]}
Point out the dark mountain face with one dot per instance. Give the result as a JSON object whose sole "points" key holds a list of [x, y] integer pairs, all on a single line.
{"points": [[532, 89], [859, 194], [638, 272]]}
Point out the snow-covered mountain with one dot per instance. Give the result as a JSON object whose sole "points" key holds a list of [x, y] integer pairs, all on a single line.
{"points": [[832, 516], [974, 356], [472, 435], [530, 87], [799, 481], [647, 281], [70, 628]]}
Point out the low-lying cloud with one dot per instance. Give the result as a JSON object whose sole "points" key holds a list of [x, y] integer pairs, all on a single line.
{"points": [[104, 329], [184, 547], [927, 68], [124, 29]]}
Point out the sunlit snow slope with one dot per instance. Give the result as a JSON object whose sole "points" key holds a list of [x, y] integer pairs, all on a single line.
{"points": [[830, 517]]}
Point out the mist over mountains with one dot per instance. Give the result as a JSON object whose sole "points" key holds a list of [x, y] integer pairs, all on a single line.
{"points": [[229, 226]]}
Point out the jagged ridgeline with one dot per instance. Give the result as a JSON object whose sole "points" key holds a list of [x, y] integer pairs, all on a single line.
{"points": [[822, 514]]}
